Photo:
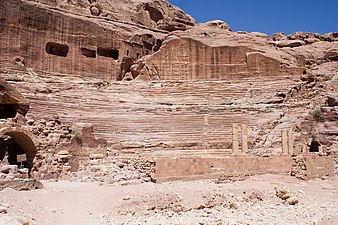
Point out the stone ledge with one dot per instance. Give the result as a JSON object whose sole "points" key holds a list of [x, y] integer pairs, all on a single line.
{"points": [[168, 169]]}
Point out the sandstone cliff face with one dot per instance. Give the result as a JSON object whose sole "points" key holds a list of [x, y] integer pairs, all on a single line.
{"points": [[180, 115], [185, 116], [69, 57], [60, 37], [215, 53], [206, 53], [63, 38], [56, 37], [158, 14]]}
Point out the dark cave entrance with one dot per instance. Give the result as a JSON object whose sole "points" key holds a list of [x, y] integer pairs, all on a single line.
{"points": [[88, 52], [154, 13], [16, 155], [57, 49], [108, 52], [17, 147], [314, 147], [8, 110]]}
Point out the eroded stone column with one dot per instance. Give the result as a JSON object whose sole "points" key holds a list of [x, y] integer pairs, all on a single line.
{"points": [[321, 150], [235, 141], [290, 142], [304, 149], [244, 138], [285, 145], [205, 132]]}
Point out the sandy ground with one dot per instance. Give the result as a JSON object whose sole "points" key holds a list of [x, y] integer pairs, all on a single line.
{"points": [[252, 201]]}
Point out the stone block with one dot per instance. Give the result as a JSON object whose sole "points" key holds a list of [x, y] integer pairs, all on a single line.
{"points": [[244, 138], [285, 146], [235, 139]]}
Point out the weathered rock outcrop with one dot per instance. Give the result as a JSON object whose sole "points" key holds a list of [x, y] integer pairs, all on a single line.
{"points": [[156, 14], [62, 38], [306, 37], [312, 55], [209, 53], [289, 43], [310, 38], [11, 101], [218, 24], [20, 184]]}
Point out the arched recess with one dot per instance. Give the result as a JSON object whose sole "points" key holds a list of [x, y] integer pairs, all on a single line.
{"points": [[25, 139]]}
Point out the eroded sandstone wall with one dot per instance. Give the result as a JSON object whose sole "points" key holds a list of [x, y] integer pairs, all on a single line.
{"points": [[190, 59], [72, 33], [9, 28], [168, 115], [35, 27], [52, 40]]}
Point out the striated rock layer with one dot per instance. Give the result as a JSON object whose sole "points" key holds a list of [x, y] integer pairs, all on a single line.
{"points": [[179, 115]]}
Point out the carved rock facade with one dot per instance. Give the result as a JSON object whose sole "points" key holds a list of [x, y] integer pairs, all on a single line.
{"points": [[56, 40]]}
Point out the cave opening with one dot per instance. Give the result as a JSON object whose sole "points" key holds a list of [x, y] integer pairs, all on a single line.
{"points": [[17, 147], [314, 147], [158, 45], [8, 111], [16, 155], [126, 64], [53, 48], [281, 95], [108, 52], [88, 52], [154, 13]]}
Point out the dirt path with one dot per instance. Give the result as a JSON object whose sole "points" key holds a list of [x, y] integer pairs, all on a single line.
{"points": [[252, 201]]}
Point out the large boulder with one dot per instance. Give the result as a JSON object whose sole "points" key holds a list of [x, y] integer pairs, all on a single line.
{"points": [[332, 54], [21, 184], [307, 37], [332, 36], [165, 16], [219, 24], [332, 100], [289, 43], [278, 36], [95, 10]]}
